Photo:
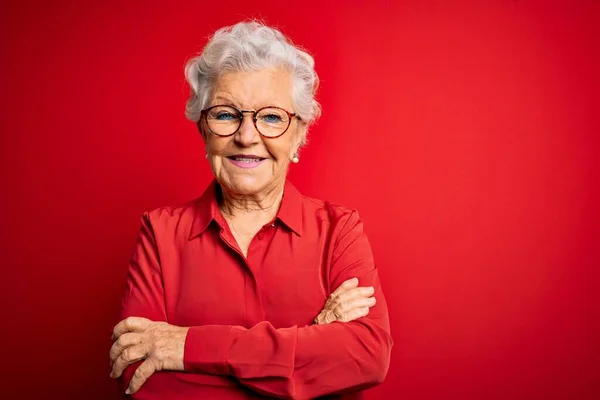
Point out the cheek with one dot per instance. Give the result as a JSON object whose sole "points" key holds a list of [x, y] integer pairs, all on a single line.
{"points": [[215, 145], [279, 150], [284, 147]]}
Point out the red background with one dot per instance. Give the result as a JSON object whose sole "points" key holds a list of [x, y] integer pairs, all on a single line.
{"points": [[465, 133]]}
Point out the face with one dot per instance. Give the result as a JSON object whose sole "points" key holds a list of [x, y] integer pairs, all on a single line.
{"points": [[267, 159]]}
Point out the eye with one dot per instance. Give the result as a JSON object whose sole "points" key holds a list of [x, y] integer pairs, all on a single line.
{"points": [[224, 116], [271, 118]]}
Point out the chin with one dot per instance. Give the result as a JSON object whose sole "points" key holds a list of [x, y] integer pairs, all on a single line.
{"points": [[247, 184]]}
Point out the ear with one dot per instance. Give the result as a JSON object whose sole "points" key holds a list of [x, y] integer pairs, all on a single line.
{"points": [[201, 131], [300, 139]]}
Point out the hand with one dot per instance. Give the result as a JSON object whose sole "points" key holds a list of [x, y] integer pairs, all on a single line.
{"points": [[347, 303], [160, 344]]}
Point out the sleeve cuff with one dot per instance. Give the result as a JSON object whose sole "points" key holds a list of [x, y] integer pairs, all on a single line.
{"points": [[207, 347]]}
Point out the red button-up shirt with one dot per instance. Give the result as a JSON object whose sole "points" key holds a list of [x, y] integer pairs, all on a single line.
{"points": [[251, 318]]}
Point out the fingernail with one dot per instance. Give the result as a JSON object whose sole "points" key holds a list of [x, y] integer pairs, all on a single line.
{"points": [[128, 391], [371, 289]]}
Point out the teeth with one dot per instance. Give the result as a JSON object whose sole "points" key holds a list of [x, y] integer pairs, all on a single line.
{"points": [[245, 159]]}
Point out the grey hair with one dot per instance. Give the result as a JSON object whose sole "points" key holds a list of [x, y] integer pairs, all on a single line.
{"points": [[251, 46]]}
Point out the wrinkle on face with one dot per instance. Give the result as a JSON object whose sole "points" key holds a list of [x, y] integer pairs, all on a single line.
{"points": [[251, 91]]}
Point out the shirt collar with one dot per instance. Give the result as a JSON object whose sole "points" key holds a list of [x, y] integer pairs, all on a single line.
{"points": [[207, 209], [290, 211]]}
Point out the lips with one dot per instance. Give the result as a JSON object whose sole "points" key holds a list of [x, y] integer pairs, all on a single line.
{"points": [[246, 158]]}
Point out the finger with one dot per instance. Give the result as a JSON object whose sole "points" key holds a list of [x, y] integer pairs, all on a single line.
{"points": [[144, 371], [346, 307], [130, 324], [330, 317], [129, 356], [350, 294], [124, 341], [356, 314], [325, 317], [356, 293], [346, 285], [349, 284]]}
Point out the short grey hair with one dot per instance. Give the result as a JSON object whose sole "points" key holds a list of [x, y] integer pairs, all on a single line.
{"points": [[251, 46]]}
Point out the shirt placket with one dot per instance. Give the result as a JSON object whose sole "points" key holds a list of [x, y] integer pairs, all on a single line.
{"points": [[256, 252]]}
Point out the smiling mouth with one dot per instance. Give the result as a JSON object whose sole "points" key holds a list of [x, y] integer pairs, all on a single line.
{"points": [[246, 159]]}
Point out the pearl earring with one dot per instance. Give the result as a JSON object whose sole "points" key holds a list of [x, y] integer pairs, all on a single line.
{"points": [[295, 159]]}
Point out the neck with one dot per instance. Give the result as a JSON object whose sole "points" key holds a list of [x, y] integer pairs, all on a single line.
{"points": [[264, 205]]}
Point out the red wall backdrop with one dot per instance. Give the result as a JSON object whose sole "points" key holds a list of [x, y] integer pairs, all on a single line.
{"points": [[465, 133]]}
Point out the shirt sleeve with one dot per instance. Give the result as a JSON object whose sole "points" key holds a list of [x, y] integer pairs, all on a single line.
{"points": [[144, 290], [312, 361]]}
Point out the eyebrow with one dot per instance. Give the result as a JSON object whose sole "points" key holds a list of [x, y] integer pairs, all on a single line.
{"points": [[220, 100], [226, 101]]}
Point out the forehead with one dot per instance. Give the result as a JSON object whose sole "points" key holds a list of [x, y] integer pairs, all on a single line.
{"points": [[254, 89]]}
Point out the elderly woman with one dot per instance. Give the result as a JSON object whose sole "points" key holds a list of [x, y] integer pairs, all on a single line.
{"points": [[252, 289]]}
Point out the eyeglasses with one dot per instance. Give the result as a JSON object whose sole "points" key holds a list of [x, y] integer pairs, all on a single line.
{"points": [[270, 122]]}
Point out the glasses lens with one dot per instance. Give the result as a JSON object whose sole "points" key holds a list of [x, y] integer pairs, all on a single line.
{"points": [[223, 120], [272, 121]]}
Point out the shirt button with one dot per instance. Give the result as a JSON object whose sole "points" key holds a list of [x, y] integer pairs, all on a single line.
{"points": [[261, 236]]}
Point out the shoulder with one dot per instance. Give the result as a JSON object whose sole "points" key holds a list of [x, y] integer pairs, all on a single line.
{"points": [[171, 219], [339, 225], [339, 216], [172, 212]]}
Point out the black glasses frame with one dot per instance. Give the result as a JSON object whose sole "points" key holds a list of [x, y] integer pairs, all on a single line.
{"points": [[204, 113]]}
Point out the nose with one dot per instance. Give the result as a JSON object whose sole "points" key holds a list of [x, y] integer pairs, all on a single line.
{"points": [[247, 134]]}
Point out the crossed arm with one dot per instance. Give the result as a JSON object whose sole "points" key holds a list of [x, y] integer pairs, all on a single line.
{"points": [[294, 362]]}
